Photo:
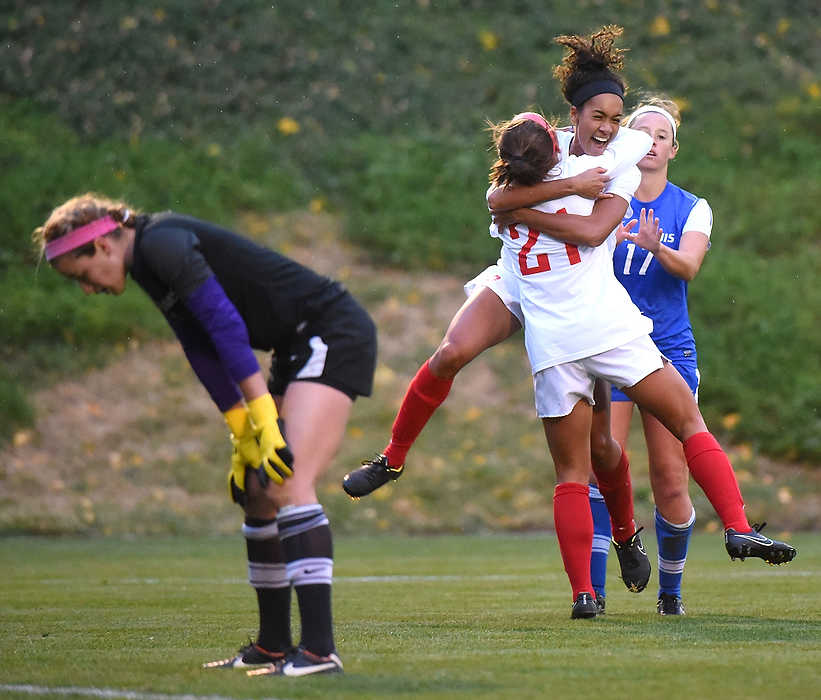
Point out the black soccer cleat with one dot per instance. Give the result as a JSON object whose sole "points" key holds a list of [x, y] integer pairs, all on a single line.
{"points": [[250, 656], [741, 545], [584, 607], [670, 604], [601, 602], [370, 476], [633, 561], [301, 663]]}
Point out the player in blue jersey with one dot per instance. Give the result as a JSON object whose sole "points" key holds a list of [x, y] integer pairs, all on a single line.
{"points": [[225, 296], [655, 272]]}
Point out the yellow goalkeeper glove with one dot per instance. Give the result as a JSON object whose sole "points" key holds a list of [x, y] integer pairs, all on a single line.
{"points": [[276, 459], [246, 448]]}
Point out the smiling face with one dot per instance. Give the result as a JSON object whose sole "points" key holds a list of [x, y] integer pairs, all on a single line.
{"points": [[597, 123], [664, 146], [104, 272]]}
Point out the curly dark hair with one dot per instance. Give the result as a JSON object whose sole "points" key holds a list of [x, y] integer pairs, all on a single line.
{"points": [[589, 59]]}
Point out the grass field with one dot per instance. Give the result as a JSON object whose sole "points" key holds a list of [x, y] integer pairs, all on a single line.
{"points": [[440, 617]]}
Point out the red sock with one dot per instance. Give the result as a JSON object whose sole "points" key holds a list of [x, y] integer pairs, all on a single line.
{"points": [[425, 394], [617, 491], [574, 529], [713, 472]]}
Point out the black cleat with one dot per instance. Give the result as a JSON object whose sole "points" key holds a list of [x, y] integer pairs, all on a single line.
{"points": [[670, 604], [633, 561], [301, 663], [584, 607], [250, 656], [370, 476], [741, 545], [601, 601]]}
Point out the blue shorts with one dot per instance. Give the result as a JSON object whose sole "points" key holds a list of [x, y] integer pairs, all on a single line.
{"points": [[684, 360]]}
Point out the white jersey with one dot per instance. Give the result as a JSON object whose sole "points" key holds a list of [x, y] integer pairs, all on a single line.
{"points": [[573, 305]]}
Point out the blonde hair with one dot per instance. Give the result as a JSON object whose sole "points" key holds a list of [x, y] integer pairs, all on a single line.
{"points": [[662, 102], [79, 211]]}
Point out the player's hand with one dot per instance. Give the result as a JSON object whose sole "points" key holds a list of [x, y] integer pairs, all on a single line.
{"points": [[649, 233], [505, 218], [624, 232], [590, 184], [246, 448], [276, 460]]}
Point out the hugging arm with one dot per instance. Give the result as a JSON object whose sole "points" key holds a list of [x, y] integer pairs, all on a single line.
{"points": [[588, 184], [591, 230]]}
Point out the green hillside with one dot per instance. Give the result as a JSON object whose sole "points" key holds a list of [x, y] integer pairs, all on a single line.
{"points": [[376, 113]]}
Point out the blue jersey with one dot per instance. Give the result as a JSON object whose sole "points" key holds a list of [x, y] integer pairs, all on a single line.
{"points": [[658, 294]]}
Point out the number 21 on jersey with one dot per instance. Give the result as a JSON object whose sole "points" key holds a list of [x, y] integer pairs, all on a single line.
{"points": [[542, 260]]}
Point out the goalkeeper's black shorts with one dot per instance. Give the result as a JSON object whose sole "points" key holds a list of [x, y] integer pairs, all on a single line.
{"points": [[337, 348]]}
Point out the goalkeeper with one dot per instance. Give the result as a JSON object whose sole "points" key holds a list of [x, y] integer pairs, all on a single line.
{"points": [[224, 296]]}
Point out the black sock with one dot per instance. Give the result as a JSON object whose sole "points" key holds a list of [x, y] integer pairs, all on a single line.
{"points": [[267, 574], [306, 541]]}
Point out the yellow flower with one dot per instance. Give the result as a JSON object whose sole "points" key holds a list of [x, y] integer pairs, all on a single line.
{"points": [[660, 26], [814, 91], [288, 126], [22, 437], [214, 150], [317, 205], [472, 413], [783, 26], [128, 23], [488, 40], [731, 420]]}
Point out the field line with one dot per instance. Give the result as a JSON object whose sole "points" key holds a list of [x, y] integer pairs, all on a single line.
{"points": [[112, 693]]}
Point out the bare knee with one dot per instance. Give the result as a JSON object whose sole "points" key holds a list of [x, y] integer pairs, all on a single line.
{"points": [[449, 358], [604, 451], [670, 492], [258, 501]]}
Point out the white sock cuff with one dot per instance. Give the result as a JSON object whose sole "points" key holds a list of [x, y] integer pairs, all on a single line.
{"points": [[261, 575], [311, 570], [684, 526], [266, 532]]}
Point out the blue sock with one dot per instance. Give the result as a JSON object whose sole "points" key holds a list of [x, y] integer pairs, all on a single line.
{"points": [[601, 540], [673, 541]]}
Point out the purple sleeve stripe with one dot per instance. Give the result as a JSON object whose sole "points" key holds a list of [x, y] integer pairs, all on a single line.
{"points": [[226, 328], [206, 365]]}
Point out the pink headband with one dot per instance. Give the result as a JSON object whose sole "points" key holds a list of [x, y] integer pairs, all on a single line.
{"points": [[534, 117], [79, 237], [540, 120]]}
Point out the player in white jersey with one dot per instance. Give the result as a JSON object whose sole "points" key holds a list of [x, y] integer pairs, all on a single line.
{"points": [[655, 271], [487, 317], [492, 314], [616, 348]]}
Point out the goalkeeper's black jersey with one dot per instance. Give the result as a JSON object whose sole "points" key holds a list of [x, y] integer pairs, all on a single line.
{"points": [[174, 254]]}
